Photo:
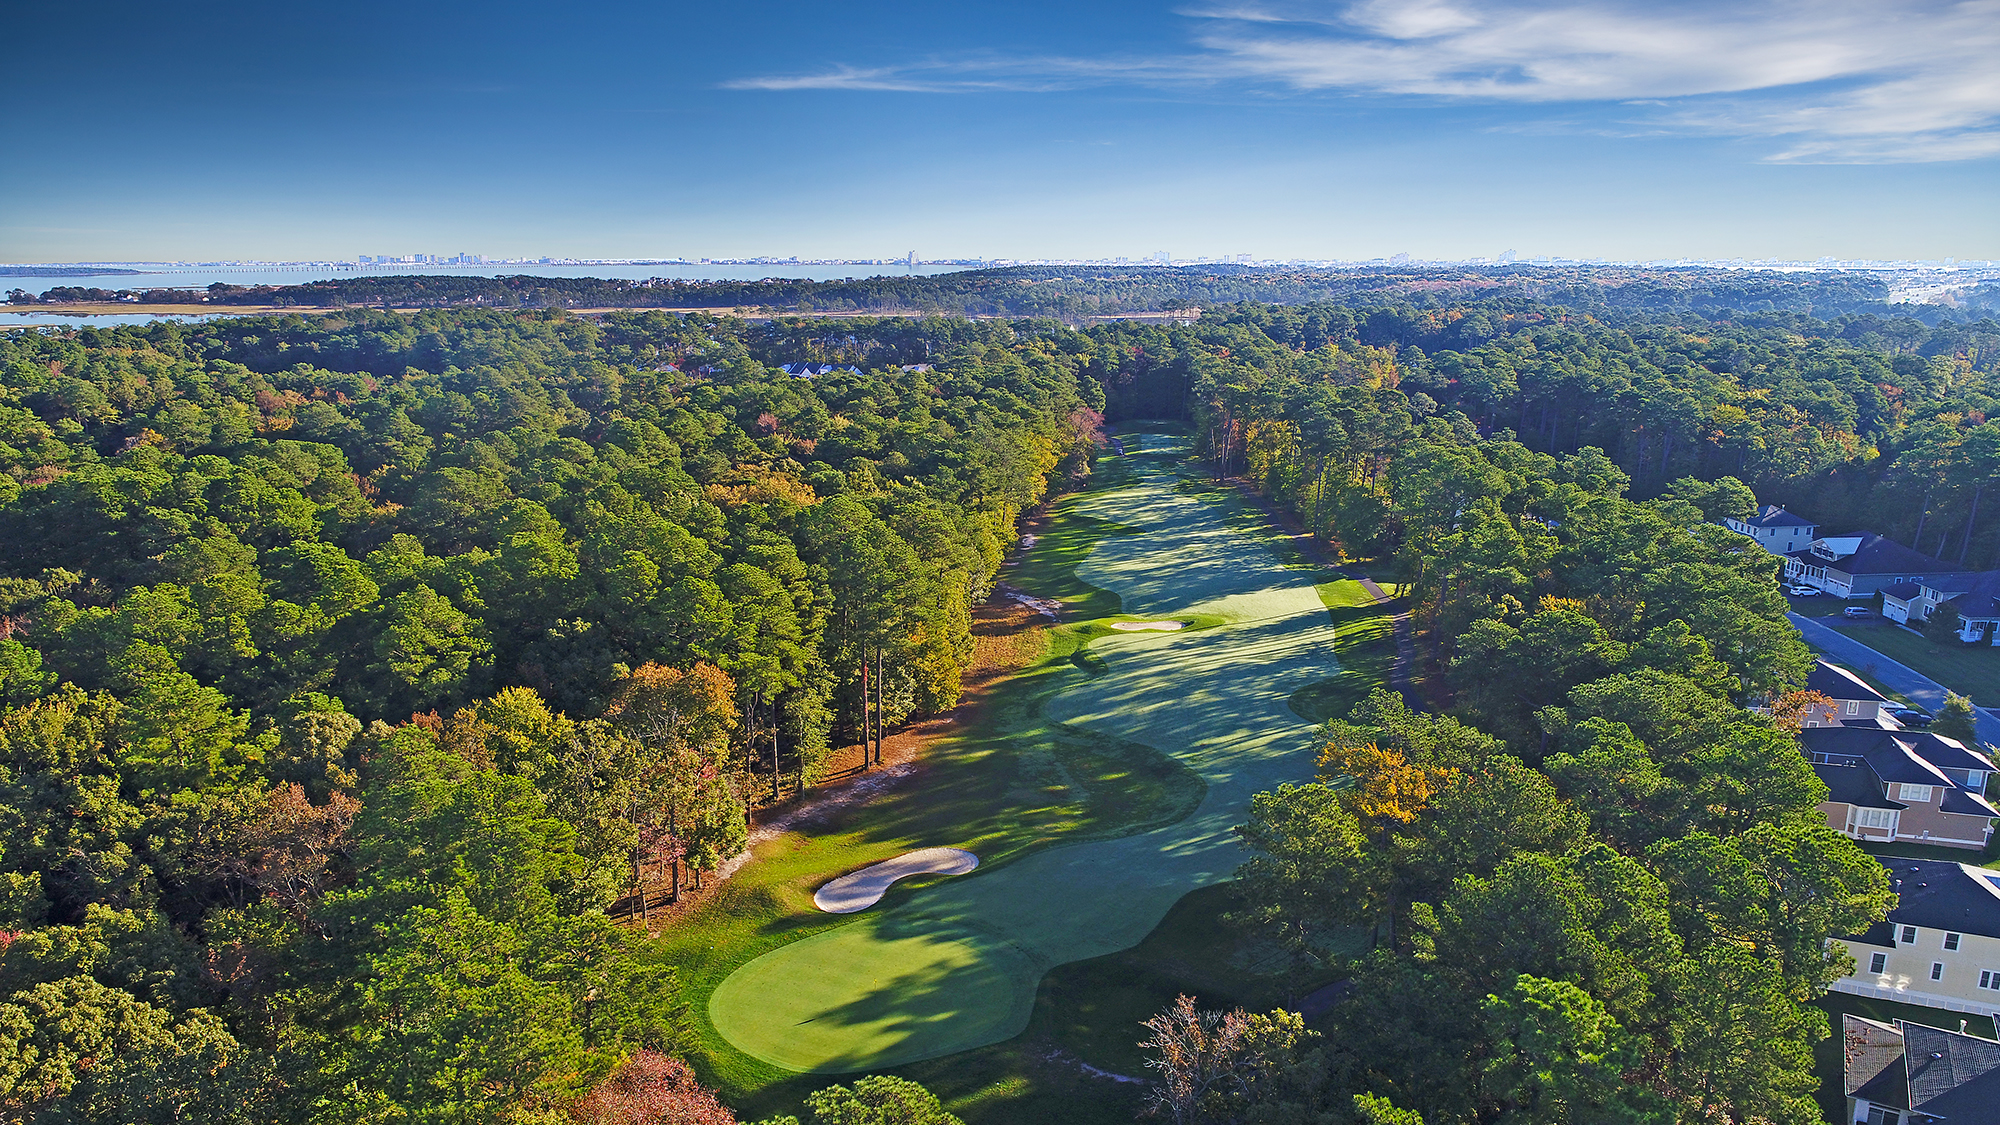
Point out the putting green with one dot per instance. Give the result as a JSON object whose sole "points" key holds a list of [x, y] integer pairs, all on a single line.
{"points": [[955, 966]]}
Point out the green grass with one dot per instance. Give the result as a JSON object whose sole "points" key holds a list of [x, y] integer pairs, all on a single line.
{"points": [[1972, 670], [1826, 1054], [1871, 681], [1017, 782], [1365, 640], [1907, 850], [966, 962]]}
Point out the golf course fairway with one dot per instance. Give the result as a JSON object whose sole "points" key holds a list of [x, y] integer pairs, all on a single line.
{"points": [[955, 965]]}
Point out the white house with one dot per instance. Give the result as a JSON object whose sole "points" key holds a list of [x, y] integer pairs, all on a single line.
{"points": [[1776, 530], [1939, 947]]}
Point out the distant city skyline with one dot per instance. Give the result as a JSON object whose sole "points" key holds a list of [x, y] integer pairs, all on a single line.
{"points": [[1157, 258], [1763, 129]]}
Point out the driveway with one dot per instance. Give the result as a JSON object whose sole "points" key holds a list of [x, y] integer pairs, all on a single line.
{"points": [[1921, 689]]}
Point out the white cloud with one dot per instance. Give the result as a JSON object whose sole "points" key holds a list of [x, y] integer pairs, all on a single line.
{"points": [[1860, 81]]}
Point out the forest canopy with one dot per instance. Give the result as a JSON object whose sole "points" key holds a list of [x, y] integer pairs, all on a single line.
{"points": [[354, 664]]}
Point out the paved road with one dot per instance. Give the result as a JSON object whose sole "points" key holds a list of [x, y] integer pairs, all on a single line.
{"points": [[1921, 689]]}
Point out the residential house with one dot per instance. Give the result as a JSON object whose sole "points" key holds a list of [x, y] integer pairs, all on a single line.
{"points": [[1940, 945], [1976, 597], [1776, 530], [1860, 565], [1887, 785], [1910, 603], [1906, 1073], [1855, 704]]}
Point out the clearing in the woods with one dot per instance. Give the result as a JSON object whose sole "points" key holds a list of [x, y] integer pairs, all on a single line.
{"points": [[956, 966], [1098, 786]]}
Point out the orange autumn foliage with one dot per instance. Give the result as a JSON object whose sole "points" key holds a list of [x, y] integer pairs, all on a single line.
{"points": [[1791, 709]]}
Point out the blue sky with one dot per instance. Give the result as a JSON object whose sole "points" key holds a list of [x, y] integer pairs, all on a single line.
{"points": [[1280, 129]]}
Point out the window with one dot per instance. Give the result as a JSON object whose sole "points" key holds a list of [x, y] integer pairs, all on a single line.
{"points": [[1874, 818], [1854, 706], [1908, 792], [1937, 970], [1882, 1115], [1907, 935], [1951, 941], [1990, 979], [1879, 963]]}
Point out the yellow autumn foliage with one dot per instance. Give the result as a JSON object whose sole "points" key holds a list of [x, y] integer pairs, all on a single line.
{"points": [[1387, 786]]}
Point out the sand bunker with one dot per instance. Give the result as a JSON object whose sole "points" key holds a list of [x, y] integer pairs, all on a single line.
{"points": [[1148, 626], [865, 887]]}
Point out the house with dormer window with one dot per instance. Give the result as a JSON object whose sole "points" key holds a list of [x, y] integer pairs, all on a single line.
{"points": [[1885, 785], [1976, 597], [1863, 564]]}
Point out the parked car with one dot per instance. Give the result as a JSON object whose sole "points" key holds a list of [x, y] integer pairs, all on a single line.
{"points": [[1802, 591], [1911, 716], [1857, 611]]}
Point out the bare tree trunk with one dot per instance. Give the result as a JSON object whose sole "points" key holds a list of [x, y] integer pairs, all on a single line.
{"points": [[1966, 545], [864, 711], [674, 831], [1319, 496], [878, 706], [777, 787], [1923, 513]]}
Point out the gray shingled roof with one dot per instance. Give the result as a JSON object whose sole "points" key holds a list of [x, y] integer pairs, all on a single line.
{"points": [[1895, 760], [1854, 784], [1967, 804], [1870, 1054], [1878, 554], [1860, 741], [1939, 895], [1770, 515], [1839, 683], [1981, 601], [1953, 1076]]}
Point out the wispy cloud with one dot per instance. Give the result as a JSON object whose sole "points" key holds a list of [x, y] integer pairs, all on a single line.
{"points": [[1831, 81]]}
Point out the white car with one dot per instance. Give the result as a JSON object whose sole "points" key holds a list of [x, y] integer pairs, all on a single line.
{"points": [[1802, 591]]}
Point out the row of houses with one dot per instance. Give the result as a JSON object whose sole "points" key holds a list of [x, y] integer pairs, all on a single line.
{"points": [[1864, 564], [1940, 946], [1886, 783]]}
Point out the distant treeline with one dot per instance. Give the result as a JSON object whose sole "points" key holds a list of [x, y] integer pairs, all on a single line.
{"points": [[1075, 293]]}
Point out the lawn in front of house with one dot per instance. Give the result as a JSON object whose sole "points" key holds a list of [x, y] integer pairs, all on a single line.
{"points": [[1905, 849], [1972, 670]]}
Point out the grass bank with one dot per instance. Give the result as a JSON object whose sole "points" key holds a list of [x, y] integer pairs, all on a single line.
{"points": [[1971, 670]]}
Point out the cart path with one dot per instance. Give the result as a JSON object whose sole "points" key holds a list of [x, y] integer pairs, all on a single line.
{"points": [[954, 966]]}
